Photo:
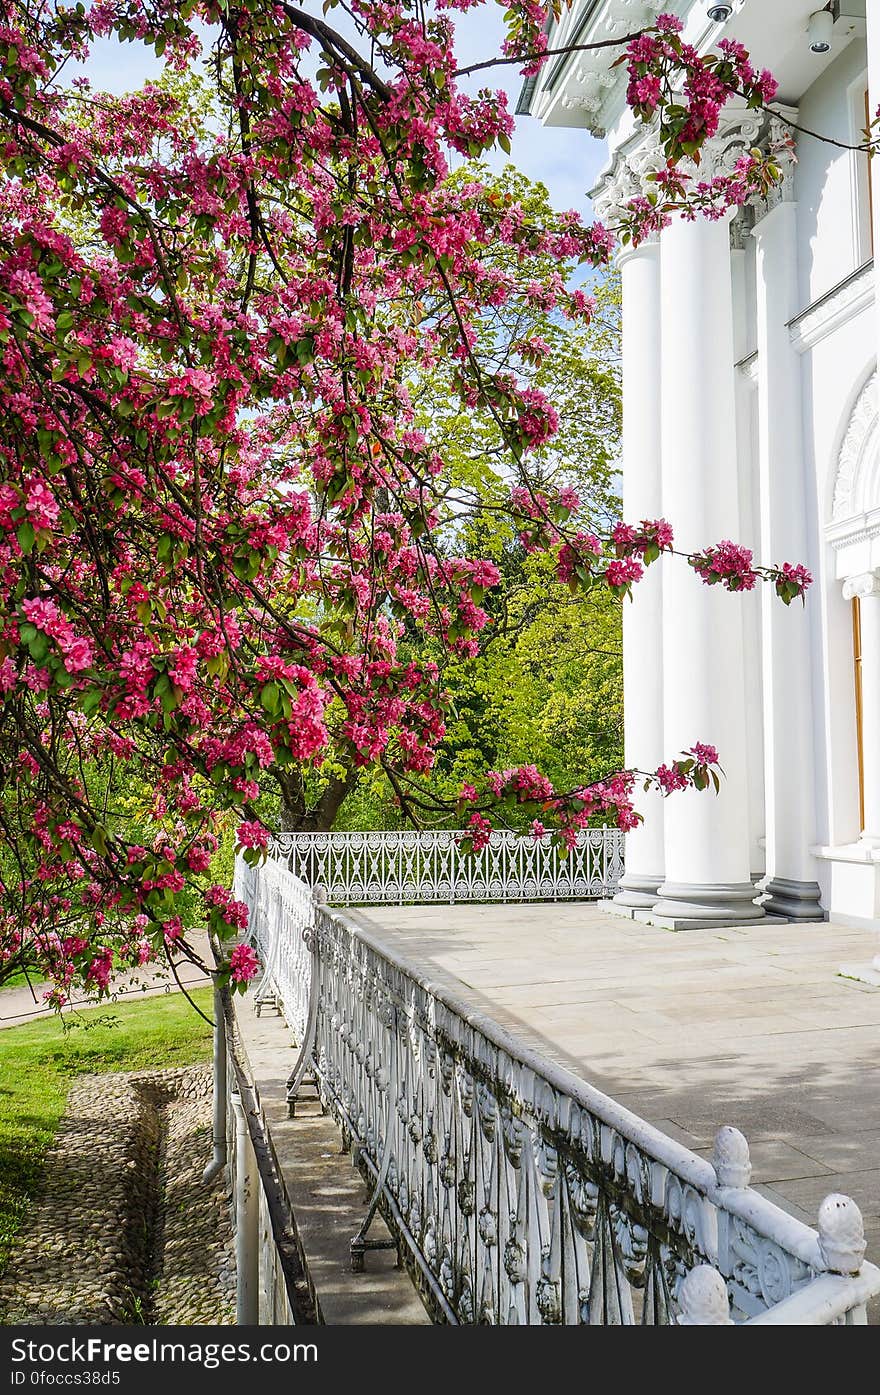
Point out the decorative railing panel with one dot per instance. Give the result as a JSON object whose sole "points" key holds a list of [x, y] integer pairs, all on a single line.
{"points": [[517, 1192], [279, 907], [422, 866]]}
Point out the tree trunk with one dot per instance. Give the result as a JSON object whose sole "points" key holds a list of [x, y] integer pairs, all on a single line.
{"points": [[297, 817]]}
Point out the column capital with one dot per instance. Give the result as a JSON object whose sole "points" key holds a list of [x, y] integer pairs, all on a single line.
{"points": [[863, 585], [738, 131], [625, 178], [780, 143]]}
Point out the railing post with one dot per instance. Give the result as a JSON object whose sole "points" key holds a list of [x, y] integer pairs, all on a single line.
{"points": [[841, 1234], [218, 1161], [247, 1222], [730, 1158]]}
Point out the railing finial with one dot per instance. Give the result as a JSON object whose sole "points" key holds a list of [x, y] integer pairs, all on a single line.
{"points": [[703, 1300], [730, 1158], [319, 894], [841, 1234]]}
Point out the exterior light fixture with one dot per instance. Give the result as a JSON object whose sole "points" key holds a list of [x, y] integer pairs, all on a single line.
{"points": [[820, 31], [719, 14]]}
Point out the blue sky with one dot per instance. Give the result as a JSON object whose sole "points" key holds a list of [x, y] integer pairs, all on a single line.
{"points": [[567, 161]]}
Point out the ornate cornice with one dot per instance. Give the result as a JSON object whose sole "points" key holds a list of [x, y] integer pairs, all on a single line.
{"points": [[740, 130], [830, 311], [593, 83]]}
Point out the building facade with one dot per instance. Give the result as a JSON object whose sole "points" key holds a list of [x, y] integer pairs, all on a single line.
{"points": [[750, 350]]}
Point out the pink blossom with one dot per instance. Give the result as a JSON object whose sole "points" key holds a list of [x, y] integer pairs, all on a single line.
{"points": [[244, 964]]}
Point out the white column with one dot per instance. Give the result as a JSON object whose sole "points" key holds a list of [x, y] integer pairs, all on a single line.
{"points": [[867, 588], [790, 886], [706, 837], [873, 22], [642, 636], [745, 389]]}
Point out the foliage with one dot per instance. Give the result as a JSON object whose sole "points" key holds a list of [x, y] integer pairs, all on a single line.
{"points": [[222, 522]]}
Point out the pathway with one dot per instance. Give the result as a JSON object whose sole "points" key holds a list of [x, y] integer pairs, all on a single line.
{"points": [[20, 1004]]}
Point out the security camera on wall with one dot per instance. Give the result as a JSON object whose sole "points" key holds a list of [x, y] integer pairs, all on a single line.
{"points": [[719, 14], [820, 31]]}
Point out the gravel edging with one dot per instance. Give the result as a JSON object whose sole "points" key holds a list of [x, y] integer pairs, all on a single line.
{"points": [[124, 1229]]}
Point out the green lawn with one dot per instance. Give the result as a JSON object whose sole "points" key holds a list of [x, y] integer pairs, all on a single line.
{"points": [[40, 1060], [21, 979]]}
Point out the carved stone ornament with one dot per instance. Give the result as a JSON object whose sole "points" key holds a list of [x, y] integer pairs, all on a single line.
{"points": [[857, 481], [841, 1234], [730, 1158], [702, 1299]]}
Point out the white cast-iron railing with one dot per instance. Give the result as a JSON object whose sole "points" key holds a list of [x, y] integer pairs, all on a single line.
{"points": [[421, 866], [517, 1193]]}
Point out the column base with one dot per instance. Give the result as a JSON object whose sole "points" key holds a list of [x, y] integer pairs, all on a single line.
{"points": [[795, 900], [695, 905], [636, 891]]}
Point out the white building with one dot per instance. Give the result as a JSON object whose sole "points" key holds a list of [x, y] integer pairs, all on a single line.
{"points": [[751, 413]]}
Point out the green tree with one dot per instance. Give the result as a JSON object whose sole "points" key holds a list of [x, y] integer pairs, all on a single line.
{"points": [[546, 686]]}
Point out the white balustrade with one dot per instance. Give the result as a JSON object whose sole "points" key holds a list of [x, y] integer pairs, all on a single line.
{"points": [[421, 866], [517, 1192]]}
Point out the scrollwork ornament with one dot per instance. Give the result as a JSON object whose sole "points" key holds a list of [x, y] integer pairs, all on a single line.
{"points": [[447, 1167], [513, 1136], [466, 1194], [466, 1303], [430, 1146], [514, 1258], [631, 1245], [547, 1160], [465, 1090], [548, 1293], [487, 1225], [583, 1195], [487, 1107], [447, 1273]]}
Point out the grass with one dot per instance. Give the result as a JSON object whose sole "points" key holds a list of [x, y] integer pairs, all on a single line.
{"points": [[39, 1062], [21, 979]]}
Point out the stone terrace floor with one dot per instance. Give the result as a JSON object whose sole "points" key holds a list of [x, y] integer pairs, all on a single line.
{"points": [[751, 1027]]}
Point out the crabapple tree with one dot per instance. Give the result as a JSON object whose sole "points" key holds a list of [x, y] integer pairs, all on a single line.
{"points": [[220, 521]]}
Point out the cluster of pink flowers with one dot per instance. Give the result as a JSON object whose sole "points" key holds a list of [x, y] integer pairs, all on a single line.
{"points": [[252, 834], [671, 81], [243, 964], [727, 563], [233, 913], [652, 536], [479, 831], [44, 615]]}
